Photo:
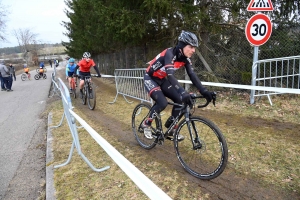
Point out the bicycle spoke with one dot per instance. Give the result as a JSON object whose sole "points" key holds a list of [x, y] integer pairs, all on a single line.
{"points": [[91, 96], [203, 153], [140, 113]]}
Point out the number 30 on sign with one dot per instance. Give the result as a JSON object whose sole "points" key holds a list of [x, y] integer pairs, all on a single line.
{"points": [[258, 29]]}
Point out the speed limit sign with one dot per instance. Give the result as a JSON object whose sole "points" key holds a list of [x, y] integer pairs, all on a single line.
{"points": [[258, 29]]}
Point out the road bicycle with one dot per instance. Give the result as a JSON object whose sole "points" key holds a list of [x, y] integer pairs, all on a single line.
{"points": [[89, 94], [203, 153], [25, 76], [73, 86], [38, 76], [38, 70]]}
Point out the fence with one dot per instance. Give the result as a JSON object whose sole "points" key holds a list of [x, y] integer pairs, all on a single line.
{"points": [[278, 72], [145, 184], [224, 57], [129, 82]]}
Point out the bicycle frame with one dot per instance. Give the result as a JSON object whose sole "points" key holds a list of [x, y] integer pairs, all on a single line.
{"points": [[160, 135], [184, 111]]}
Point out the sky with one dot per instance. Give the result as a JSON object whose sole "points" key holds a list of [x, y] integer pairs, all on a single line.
{"points": [[42, 17]]}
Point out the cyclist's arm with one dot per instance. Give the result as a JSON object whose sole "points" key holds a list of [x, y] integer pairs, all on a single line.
{"points": [[170, 72], [97, 70], [194, 78], [76, 68], [67, 69]]}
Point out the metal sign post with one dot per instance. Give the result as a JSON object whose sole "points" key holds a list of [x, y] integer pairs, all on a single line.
{"points": [[258, 31]]}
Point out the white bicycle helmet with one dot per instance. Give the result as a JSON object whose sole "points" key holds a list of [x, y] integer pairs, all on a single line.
{"points": [[86, 55]]}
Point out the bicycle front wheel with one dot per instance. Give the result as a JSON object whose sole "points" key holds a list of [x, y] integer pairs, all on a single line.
{"points": [[37, 77], [91, 97], [73, 88], [140, 113], [203, 153], [83, 96]]}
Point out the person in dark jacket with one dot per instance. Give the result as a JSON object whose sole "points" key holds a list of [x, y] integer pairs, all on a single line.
{"points": [[6, 77], [12, 72]]}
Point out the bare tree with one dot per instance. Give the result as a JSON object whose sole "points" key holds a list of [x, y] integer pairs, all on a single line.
{"points": [[3, 12], [28, 43]]}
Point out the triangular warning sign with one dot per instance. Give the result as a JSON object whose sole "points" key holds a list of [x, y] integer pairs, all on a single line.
{"points": [[260, 5]]}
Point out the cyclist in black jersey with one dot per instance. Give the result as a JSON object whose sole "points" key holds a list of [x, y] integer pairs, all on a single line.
{"points": [[160, 82]]}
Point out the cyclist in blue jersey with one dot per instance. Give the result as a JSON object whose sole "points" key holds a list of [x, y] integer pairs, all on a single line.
{"points": [[41, 71], [70, 69]]}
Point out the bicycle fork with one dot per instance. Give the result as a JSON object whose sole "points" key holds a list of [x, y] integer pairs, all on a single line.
{"points": [[193, 132]]}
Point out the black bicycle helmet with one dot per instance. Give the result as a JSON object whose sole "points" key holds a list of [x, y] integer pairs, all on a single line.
{"points": [[188, 38], [86, 55]]}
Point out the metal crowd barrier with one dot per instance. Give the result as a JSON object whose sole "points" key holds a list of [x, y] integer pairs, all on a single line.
{"points": [[277, 72], [67, 105], [129, 82], [144, 183]]}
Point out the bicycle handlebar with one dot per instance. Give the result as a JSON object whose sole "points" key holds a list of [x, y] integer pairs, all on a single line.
{"points": [[214, 98]]}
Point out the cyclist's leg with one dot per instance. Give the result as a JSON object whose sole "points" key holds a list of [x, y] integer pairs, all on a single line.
{"points": [[157, 95], [170, 92], [70, 79]]}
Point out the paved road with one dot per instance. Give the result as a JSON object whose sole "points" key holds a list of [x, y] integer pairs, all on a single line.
{"points": [[22, 138]]}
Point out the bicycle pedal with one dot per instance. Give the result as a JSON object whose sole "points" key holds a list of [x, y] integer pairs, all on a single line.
{"points": [[160, 142]]}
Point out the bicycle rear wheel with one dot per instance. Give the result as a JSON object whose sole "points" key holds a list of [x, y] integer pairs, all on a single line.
{"points": [[91, 96], [140, 113], [83, 95], [206, 159], [23, 77]]}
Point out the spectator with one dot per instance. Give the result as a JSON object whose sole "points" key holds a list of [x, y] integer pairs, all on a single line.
{"points": [[56, 62], [50, 62], [2, 83], [6, 77], [12, 72]]}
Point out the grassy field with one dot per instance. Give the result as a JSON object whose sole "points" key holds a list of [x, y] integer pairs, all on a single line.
{"points": [[263, 143]]}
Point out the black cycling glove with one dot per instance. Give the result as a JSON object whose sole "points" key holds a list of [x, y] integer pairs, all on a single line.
{"points": [[186, 98], [208, 95]]}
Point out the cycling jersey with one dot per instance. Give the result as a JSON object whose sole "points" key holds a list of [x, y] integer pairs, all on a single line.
{"points": [[70, 68], [166, 63], [42, 65], [85, 66]]}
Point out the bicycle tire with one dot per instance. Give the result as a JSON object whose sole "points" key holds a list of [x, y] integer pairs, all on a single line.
{"points": [[23, 77], [91, 96], [83, 99], [73, 88], [44, 76], [209, 159], [140, 113], [37, 77]]}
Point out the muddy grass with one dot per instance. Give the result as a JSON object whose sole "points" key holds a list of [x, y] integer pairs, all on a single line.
{"points": [[263, 153]]}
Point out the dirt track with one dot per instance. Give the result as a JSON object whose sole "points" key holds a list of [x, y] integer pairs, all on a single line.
{"points": [[230, 185]]}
